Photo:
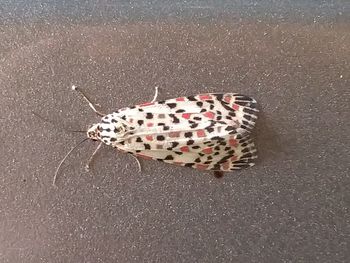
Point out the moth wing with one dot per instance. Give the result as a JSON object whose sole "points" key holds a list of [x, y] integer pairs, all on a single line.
{"points": [[206, 131], [218, 155], [235, 110]]}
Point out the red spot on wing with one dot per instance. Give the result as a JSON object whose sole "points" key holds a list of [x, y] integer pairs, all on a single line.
{"points": [[225, 166], [180, 99], [209, 115], [205, 97], [227, 99], [174, 134], [234, 158], [149, 137], [201, 133], [202, 166], [235, 107], [146, 104], [184, 149], [207, 150], [186, 115], [144, 156], [150, 124], [232, 142]]}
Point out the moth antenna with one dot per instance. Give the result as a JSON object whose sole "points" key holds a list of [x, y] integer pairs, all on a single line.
{"points": [[92, 106], [65, 157], [155, 94], [55, 125]]}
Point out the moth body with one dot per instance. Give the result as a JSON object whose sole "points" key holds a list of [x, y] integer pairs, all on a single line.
{"points": [[206, 131]]}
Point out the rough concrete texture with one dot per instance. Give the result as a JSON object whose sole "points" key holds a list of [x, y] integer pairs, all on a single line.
{"points": [[293, 206]]}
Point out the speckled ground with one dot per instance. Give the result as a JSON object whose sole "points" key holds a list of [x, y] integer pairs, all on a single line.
{"points": [[293, 206]]}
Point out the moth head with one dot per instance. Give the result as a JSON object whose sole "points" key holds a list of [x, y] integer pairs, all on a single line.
{"points": [[110, 130], [93, 132]]}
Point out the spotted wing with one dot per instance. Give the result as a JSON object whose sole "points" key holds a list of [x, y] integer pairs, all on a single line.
{"points": [[207, 131]]}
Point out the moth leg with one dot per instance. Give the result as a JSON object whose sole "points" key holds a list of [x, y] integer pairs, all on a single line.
{"points": [[155, 94], [92, 106], [88, 165], [138, 163], [218, 174]]}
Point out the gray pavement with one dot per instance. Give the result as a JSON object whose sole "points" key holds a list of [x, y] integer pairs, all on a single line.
{"points": [[293, 206]]}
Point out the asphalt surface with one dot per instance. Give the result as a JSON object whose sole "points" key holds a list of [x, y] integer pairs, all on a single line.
{"points": [[293, 58]]}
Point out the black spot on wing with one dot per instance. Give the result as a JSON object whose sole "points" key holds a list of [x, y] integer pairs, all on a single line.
{"points": [[247, 117], [171, 105], [188, 134], [247, 155], [245, 150], [219, 96], [190, 142], [242, 103], [175, 120], [194, 125], [209, 129], [243, 97], [169, 157], [147, 146], [160, 138], [249, 111]]}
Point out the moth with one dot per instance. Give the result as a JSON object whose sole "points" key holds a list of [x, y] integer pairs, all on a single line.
{"points": [[207, 131]]}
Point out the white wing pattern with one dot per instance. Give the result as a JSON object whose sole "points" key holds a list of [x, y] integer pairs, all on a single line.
{"points": [[206, 131]]}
